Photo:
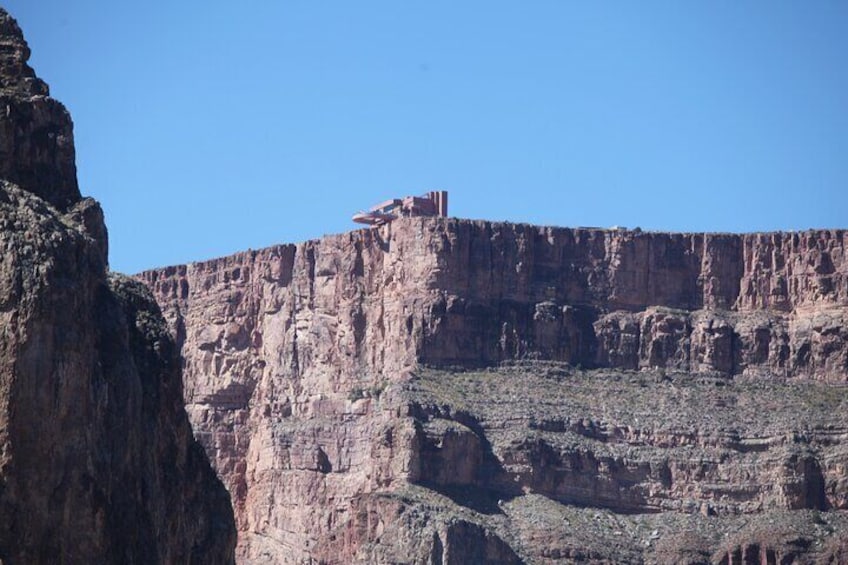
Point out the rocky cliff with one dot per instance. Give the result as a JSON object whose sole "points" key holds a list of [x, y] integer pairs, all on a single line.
{"points": [[451, 391], [97, 459]]}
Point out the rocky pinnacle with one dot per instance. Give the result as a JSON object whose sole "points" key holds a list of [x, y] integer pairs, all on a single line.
{"points": [[36, 131], [98, 462]]}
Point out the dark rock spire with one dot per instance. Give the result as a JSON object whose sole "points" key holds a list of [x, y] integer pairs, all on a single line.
{"points": [[36, 131]]}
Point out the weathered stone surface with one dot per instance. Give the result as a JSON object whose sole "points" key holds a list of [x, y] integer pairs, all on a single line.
{"points": [[292, 348], [98, 462], [641, 300], [304, 383], [36, 132], [97, 459]]}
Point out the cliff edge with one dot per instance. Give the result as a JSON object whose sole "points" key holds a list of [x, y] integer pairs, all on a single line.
{"points": [[454, 391]]}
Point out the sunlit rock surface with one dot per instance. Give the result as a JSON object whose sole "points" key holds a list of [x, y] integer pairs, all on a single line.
{"points": [[543, 394]]}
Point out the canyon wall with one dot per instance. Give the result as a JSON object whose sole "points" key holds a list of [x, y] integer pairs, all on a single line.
{"points": [[285, 351], [730, 304], [98, 463], [306, 377], [434, 391]]}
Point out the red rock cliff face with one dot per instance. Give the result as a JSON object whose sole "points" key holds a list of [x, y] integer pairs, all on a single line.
{"points": [[303, 380], [97, 459], [275, 343], [731, 304]]}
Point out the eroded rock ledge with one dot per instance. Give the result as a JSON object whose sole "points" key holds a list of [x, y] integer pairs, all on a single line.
{"points": [[464, 293]]}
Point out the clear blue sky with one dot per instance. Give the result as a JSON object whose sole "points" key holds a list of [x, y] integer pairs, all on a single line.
{"points": [[208, 127]]}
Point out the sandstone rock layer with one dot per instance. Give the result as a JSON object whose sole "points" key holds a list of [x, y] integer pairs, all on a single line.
{"points": [[340, 388]]}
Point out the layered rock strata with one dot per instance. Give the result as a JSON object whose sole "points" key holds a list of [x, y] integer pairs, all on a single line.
{"points": [[303, 371], [97, 459]]}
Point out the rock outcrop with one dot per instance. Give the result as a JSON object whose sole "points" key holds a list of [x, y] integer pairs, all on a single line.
{"points": [[359, 398], [36, 132], [727, 304], [97, 459]]}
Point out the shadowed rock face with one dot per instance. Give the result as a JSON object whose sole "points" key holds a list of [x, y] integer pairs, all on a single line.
{"points": [[97, 459], [305, 381], [36, 132]]}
